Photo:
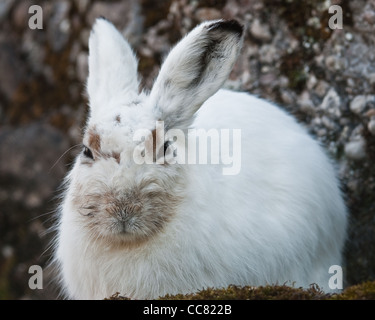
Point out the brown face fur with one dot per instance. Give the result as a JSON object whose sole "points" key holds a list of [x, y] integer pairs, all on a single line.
{"points": [[128, 212], [95, 146]]}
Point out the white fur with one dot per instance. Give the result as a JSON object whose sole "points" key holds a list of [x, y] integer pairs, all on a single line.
{"points": [[281, 220]]}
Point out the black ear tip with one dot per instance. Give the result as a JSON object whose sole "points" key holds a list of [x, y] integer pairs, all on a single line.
{"points": [[227, 25]]}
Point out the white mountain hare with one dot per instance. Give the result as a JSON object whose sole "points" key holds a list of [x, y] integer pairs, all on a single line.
{"points": [[150, 229]]}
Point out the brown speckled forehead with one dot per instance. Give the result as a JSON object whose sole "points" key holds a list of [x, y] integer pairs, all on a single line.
{"points": [[94, 143], [94, 139]]}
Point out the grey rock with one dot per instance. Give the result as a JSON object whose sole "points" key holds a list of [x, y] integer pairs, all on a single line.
{"points": [[283, 82], [358, 104], [353, 185], [349, 36], [21, 13], [328, 123], [7, 251], [332, 103], [125, 15], [321, 88], [370, 113], [13, 68], [82, 66], [84, 36], [356, 149], [28, 167], [336, 63], [5, 6], [371, 78], [344, 135], [287, 97], [268, 54], [357, 132], [311, 82], [82, 5], [268, 79], [371, 126], [260, 31], [58, 31], [321, 132], [203, 14], [306, 104], [369, 17], [316, 122], [35, 52]]}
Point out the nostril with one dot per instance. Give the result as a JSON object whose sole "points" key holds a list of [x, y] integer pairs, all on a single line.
{"points": [[122, 226]]}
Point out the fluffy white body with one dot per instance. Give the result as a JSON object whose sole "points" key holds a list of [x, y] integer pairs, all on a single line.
{"points": [[280, 220]]}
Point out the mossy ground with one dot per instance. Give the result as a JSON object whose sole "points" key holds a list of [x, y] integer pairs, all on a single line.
{"points": [[364, 291]]}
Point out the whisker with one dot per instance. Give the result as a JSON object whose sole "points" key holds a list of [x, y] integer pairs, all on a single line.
{"points": [[54, 165], [41, 215]]}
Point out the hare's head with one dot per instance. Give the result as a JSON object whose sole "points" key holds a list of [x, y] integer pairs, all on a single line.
{"points": [[110, 194]]}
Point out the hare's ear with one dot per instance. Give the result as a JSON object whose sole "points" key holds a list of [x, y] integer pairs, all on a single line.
{"points": [[112, 66], [194, 70]]}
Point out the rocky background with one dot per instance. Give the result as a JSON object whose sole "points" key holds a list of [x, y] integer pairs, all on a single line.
{"points": [[325, 77]]}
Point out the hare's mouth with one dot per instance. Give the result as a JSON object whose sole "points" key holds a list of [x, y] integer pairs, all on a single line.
{"points": [[121, 232], [124, 227], [121, 228]]}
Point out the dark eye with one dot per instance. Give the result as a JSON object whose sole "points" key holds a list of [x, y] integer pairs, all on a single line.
{"points": [[166, 145], [172, 152], [87, 153]]}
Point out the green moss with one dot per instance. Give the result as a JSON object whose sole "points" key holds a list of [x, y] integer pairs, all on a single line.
{"points": [[364, 291], [5, 271], [253, 293], [292, 66]]}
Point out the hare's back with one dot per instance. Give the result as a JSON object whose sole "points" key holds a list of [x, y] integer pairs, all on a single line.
{"points": [[230, 109], [284, 170], [267, 131]]}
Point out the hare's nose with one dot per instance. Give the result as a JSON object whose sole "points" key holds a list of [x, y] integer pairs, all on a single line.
{"points": [[123, 216], [128, 212], [123, 226]]}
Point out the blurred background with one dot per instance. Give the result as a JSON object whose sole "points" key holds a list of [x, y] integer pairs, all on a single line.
{"points": [[325, 77]]}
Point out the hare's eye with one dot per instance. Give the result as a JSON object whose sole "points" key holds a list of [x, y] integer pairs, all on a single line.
{"points": [[166, 145], [87, 153], [172, 152]]}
